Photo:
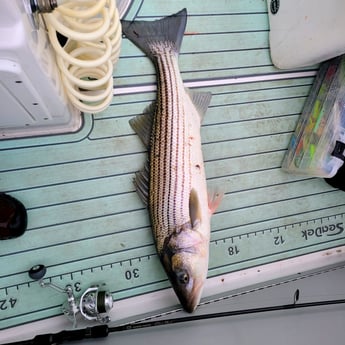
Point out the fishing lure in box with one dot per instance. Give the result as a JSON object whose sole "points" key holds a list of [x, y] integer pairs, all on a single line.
{"points": [[317, 146]]}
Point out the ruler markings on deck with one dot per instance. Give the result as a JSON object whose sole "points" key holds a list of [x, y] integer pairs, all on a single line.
{"points": [[142, 274]]}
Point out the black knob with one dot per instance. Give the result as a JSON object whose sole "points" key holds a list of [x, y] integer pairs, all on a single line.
{"points": [[37, 272]]}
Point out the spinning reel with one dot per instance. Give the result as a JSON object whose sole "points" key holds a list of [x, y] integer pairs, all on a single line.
{"points": [[91, 304]]}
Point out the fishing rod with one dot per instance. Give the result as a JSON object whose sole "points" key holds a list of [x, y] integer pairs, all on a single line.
{"points": [[103, 331]]}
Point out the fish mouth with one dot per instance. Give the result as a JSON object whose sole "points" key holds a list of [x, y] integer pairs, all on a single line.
{"points": [[189, 300], [188, 292], [188, 305]]}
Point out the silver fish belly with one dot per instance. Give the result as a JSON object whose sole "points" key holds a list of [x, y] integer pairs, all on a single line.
{"points": [[173, 183]]}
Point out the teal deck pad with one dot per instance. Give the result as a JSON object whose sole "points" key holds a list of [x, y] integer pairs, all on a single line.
{"points": [[88, 225]]}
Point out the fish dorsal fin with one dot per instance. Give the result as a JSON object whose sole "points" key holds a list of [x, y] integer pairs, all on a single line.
{"points": [[201, 101], [142, 182], [194, 208], [142, 124]]}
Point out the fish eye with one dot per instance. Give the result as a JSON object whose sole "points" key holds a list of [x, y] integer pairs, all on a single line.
{"points": [[183, 277]]}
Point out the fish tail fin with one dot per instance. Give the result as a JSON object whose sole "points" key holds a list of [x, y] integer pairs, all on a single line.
{"points": [[150, 35]]}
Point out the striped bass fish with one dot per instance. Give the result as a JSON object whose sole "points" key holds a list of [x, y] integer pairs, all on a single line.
{"points": [[173, 184]]}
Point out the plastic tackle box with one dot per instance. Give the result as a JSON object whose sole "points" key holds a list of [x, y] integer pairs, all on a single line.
{"points": [[317, 146]]}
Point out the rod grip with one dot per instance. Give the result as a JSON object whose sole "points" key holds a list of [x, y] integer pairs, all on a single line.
{"points": [[101, 331]]}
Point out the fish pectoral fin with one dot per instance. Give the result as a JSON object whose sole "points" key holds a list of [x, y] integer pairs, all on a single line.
{"points": [[142, 183], [214, 199], [201, 101], [142, 124], [194, 208]]}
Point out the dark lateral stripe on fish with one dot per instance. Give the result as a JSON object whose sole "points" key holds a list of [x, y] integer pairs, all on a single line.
{"points": [[170, 129]]}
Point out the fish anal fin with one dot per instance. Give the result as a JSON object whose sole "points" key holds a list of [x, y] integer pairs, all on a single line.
{"points": [[142, 124], [201, 101], [142, 182], [194, 208], [214, 199]]}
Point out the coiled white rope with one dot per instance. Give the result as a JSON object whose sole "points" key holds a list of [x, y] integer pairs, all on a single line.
{"points": [[86, 61]]}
